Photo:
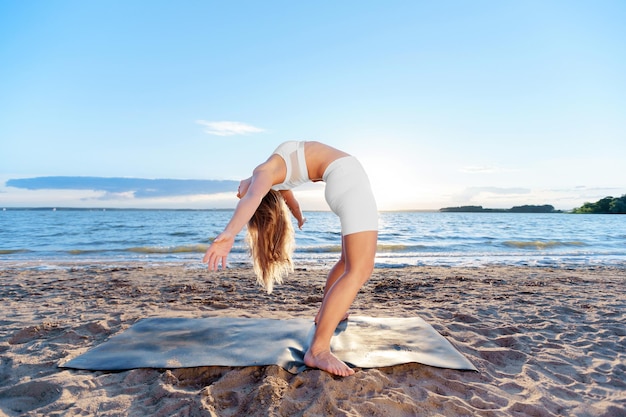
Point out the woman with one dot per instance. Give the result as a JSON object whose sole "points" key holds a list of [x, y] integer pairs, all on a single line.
{"points": [[349, 195]]}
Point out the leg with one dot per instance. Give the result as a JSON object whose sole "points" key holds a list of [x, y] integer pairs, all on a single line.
{"points": [[336, 271], [333, 275], [360, 250]]}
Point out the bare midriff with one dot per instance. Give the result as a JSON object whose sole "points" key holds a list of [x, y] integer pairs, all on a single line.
{"points": [[318, 156]]}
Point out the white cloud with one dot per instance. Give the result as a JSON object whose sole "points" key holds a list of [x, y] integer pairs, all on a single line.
{"points": [[479, 169], [226, 128], [473, 192]]}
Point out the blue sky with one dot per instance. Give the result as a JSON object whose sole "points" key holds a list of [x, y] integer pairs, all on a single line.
{"points": [[446, 103]]}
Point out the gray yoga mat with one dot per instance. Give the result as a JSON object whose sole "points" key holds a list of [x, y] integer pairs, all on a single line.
{"points": [[363, 342]]}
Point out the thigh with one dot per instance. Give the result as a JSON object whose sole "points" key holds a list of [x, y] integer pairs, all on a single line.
{"points": [[349, 195], [360, 250]]}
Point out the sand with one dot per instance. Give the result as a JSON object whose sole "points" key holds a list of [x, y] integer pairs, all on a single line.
{"points": [[546, 342]]}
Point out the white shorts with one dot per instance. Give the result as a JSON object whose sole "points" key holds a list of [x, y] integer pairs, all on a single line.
{"points": [[349, 195]]}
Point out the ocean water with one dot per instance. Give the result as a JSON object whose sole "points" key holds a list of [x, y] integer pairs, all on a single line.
{"points": [[40, 237]]}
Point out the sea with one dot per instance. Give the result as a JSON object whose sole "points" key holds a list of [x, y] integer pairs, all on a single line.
{"points": [[46, 237]]}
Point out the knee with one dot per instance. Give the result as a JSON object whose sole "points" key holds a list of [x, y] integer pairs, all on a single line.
{"points": [[367, 272], [362, 272], [338, 269], [341, 263], [368, 266]]}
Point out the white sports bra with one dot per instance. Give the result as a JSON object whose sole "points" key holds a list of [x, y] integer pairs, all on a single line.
{"points": [[292, 153]]}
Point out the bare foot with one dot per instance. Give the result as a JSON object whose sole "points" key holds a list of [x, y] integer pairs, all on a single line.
{"points": [[328, 362]]}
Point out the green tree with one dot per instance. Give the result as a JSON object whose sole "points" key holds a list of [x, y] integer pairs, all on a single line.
{"points": [[618, 206], [586, 208], [605, 205]]}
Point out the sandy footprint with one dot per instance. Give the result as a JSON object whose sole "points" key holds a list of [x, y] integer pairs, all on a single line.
{"points": [[29, 396]]}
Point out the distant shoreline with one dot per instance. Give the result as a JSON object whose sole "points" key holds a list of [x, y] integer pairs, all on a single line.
{"points": [[546, 208]]}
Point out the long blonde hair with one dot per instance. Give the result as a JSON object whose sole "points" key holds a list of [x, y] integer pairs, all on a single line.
{"points": [[271, 240]]}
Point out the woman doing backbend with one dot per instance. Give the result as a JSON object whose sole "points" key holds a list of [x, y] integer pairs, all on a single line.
{"points": [[262, 207]]}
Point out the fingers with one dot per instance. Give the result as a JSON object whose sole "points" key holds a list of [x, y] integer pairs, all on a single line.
{"points": [[218, 251], [213, 260], [207, 257], [213, 263]]}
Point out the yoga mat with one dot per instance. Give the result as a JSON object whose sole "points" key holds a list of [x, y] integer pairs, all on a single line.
{"points": [[363, 342]]}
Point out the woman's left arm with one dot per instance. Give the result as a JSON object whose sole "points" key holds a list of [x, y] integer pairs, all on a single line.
{"points": [[294, 207]]}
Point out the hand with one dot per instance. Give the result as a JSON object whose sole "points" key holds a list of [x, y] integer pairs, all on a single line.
{"points": [[218, 251], [301, 222]]}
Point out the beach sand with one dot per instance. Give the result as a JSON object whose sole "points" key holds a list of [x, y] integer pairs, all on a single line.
{"points": [[546, 342]]}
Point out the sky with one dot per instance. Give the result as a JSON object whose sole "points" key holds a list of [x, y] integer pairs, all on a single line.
{"points": [[446, 103]]}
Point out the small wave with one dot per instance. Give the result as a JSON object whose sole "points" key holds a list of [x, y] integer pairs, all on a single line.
{"points": [[182, 234], [82, 251], [538, 244], [150, 250], [398, 247], [13, 251], [319, 249]]}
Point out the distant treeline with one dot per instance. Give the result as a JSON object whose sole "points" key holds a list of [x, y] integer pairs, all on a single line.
{"points": [[546, 208], [607, 205]]}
